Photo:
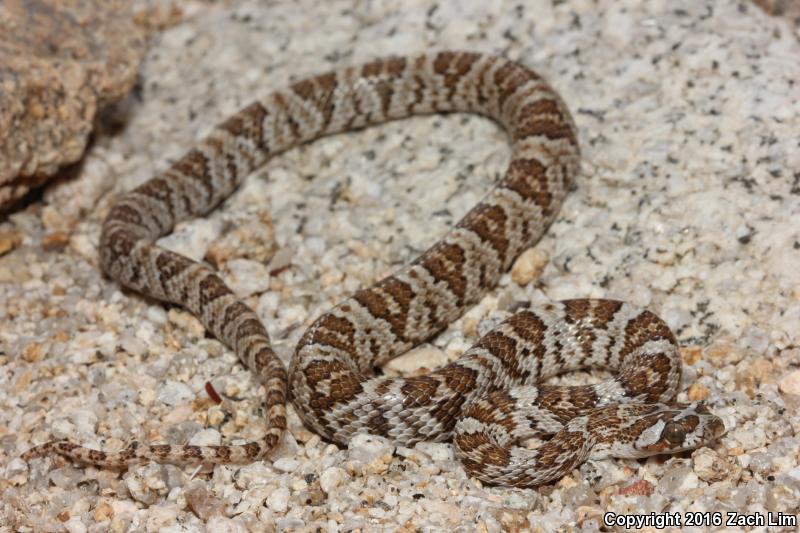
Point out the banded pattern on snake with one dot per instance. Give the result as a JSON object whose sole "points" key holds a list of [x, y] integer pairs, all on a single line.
{"points": [[487, 400]]}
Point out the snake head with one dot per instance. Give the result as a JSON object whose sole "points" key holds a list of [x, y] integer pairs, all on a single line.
{"points": [[671, 428]]}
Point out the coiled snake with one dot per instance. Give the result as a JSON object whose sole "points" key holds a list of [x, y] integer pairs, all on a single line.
{"points": [[491, 397]]}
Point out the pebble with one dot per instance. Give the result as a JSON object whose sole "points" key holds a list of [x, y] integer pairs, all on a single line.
{"points": [[160, 516], [16, 471], [133, 346], [65, 477], [528, 266], [202, 502], [186, 322], [174, 393], [278, 501], [103, 511], [221, 524], [417, 361], [790, 383], [331, 478], [252, 475], [124, 509], [74, 525], [437, 451], [710, 466], [755, 339], [641, 487], [148, 484], [697, 392], [750, 436], [281, 260], [290, 524], [675, 478], [206, 437], [9, 240], [246, 277], [794, 475], [286, 464], [157, 314], [372, 452]]}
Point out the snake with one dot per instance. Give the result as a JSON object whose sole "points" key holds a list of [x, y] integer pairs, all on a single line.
{"points": [[494, 399]]}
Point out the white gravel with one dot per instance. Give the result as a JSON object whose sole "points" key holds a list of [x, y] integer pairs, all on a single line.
{"points": [[688, 203]]}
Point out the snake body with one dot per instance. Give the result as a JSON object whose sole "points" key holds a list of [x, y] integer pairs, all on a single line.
{"points": [[487, 400]]}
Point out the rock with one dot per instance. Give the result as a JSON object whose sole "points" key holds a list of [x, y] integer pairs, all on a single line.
{"points": [[174, 393], [370, 452], [794, 475], [710, 466], [512, 519], [253, 475], [677, 479], [641, 487], [84, 420], [286, 464], [332, 478], [722, 353], [9, 240], [278, 501], [123, 509], [788, 9], [750, 436], [221, 524], [281, 260], [697, 392], [201, 502], [162, 516], [206, 437], [760, 463], [439, 452], [417, 361], [253, 238], [528, 266], [754, 340], [62, 60], [790, 383], [16, 472], [143, 486], [65, 477], [247, 277], [74, 525], [289, 523], [103, 512], [55, 241]]}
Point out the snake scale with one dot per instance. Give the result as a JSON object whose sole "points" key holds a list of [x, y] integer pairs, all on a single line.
{"points": [[492, 397]]}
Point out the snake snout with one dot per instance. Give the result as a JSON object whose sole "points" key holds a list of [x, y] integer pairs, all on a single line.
{"points": [[713, 427], [716, 427]]}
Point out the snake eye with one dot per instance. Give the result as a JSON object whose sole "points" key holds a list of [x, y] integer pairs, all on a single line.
{"points": [[674, 433]]}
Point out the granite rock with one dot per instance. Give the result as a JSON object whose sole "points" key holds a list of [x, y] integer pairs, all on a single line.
{"points": [[60, 62]]}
